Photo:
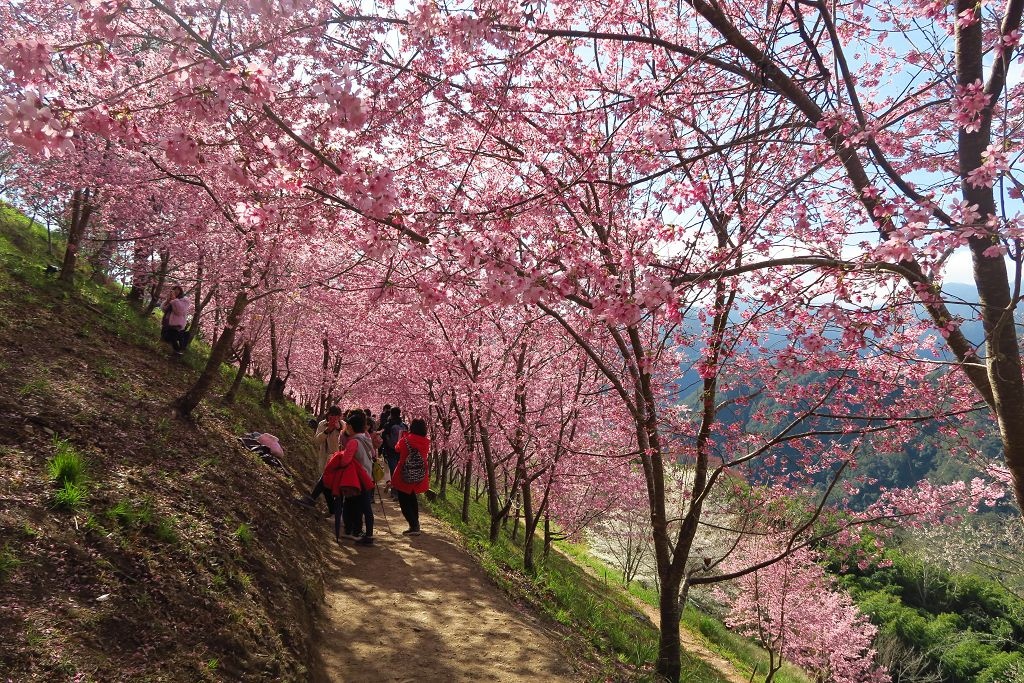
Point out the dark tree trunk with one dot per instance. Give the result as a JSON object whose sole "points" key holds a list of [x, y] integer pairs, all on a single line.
{"points": [[157, 286], [81, 210], [268, 394], [218, 353], [138, 287], [243, 365], [100, 260], [467, 482]]}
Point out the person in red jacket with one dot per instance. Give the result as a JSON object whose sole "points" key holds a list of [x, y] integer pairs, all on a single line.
{"points": [[345, 476], [411, 475]]}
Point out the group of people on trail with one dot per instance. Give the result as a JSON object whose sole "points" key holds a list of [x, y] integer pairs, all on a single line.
{"points": [[356, 455], [172, 326]]}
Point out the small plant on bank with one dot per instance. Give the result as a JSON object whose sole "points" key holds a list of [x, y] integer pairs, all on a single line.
{"points": [[164, 531], [67, 471], [128, 514], [67, 465], [8, 562], [243, 534], [70, 496], [36, 387]]}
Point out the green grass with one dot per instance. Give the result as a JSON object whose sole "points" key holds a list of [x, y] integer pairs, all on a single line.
{"points": [[8, 561], [70, 496], [67, 465], [128, 514], [36, 387], [243, 534], [164, 530], [67, 470], [746, 655], [602, 615]]}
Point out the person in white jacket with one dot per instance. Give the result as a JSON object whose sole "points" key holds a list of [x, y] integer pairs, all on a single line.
{"points": [[327, 436]]}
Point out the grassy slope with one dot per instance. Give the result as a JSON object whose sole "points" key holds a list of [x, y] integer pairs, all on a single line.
{"points": [[746, 655], [600, 618], [211, 573]]}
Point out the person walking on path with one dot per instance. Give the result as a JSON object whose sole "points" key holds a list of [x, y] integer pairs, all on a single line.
{"points": [[358, 510], [345, 476], [392, 434], [327, 436], [176, 310], [411, 473]]}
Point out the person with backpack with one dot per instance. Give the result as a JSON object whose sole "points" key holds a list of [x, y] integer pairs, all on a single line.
{"points": [[392, 434], [347, 476], [411, 473]]}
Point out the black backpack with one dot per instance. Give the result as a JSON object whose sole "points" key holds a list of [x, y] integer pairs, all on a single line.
{"points": [[414, 469]]}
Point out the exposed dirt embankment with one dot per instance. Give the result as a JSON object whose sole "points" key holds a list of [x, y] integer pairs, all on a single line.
{"points": [[183, 559]]}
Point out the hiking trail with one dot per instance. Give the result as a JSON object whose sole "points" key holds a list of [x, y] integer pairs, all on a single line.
{"points": [[421, 609]]}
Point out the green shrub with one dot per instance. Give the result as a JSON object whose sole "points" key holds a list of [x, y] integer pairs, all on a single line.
{"points": [[70, 496], [67, 465], [243, 534], [128, 514], [164, 531]]}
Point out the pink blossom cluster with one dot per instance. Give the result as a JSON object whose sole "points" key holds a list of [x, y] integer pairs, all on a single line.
{"points": [[30, 123], [994, 162], [27, 58], [793, 610], [181, 148], [969, 101]]}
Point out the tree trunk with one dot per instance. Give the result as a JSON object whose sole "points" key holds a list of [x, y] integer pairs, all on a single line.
{"points": [[138, 287], [668, 666], [100, 260], [218, 353], [268, 393], [467, 482], [443, 479], [547, 535], [529, 526], [243, 365], [1002, 347], [157, 286], [81, 209]]}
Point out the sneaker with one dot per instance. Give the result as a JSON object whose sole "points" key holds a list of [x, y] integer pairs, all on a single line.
{"points": [[350, 537], [365, 540], [411, 532], [305, 501]]}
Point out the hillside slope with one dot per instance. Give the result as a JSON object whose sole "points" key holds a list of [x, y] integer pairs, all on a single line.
{"points": [[179, 558]]}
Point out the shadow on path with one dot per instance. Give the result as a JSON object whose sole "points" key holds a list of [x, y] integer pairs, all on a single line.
{"points": [[420, 609]]}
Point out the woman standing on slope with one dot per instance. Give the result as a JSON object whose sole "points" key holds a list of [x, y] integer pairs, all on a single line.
{"points": [[410, 475]]}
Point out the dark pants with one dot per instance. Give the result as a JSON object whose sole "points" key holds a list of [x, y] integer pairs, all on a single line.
{"points": [[352, 515], [392, 458], [320, 488], [367, 509], [180, 340], [410, 509]]}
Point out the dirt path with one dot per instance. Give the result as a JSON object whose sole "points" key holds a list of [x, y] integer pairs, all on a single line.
{"points": [[420, 609], [690, 642]]}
